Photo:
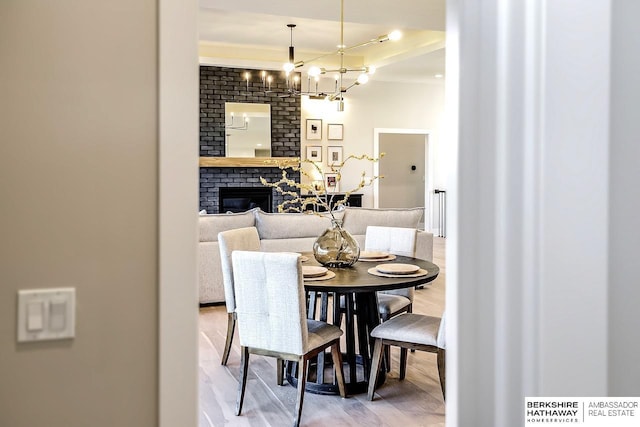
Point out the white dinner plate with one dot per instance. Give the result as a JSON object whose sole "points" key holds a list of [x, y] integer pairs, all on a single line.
{"points": [[421, 272], [327, 276], [313, 271], [397, 268], [390, 257], [373, 254]]}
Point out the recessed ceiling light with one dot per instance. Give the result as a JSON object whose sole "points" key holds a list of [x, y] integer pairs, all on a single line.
{"points": [[259, 145], [438, 76]]}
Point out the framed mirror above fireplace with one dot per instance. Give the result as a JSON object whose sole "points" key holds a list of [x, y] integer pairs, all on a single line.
{"points": [[247, 129], [223, 90]]}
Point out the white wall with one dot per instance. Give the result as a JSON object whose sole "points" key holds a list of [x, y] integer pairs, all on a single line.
{"points": [[380, 105]]}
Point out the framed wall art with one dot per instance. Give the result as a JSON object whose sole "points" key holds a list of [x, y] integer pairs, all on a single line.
{"points": [[314, 153], [314, 129], [332, 184], [334, 132], [334, 155]]}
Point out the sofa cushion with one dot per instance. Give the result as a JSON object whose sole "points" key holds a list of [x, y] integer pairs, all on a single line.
{"points": [[291, 225], [210, 273], [299, 244], [211, 225], [356, 220]]}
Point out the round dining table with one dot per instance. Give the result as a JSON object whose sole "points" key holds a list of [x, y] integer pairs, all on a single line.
{"points": [[354, 294]]}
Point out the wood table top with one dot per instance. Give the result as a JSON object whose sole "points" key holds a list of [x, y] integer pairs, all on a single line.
{"points": [[357, 279]]}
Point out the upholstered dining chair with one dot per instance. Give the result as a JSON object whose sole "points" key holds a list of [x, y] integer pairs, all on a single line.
{"points": [[396, 241], [409, 331], [245, 239], [271, 312]]}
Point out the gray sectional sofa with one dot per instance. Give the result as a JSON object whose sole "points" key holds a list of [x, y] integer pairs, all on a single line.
{"points": [[293, 232]]}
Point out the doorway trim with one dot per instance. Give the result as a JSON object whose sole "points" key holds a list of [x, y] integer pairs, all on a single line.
{"points": [[526, 140], [428, 162], [177, 162]]}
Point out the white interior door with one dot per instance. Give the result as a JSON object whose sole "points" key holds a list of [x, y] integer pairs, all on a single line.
{"points": [[403, 169], [406, 170]]}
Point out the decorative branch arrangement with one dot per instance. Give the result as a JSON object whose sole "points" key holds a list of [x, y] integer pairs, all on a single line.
{"points": [[317, 195]]}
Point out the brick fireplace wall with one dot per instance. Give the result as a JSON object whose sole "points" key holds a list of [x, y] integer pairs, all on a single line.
{"points": [[219, 85], [211, 179]]}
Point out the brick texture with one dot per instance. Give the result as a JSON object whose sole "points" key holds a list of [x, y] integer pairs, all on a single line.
{"points": [[211, 179], [219, 85]]}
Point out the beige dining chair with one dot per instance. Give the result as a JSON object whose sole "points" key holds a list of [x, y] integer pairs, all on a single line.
{"points": [[396, 241], [409, 331], [271, 312], [245, 239]]}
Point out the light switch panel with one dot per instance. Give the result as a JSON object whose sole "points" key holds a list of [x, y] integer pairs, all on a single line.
{"points": [[46, 314], [35, 315]]}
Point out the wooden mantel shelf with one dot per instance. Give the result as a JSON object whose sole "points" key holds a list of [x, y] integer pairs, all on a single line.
{"points": [[248, 162]]}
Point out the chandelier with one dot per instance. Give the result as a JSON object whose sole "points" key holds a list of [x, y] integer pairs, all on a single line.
{"points": [[335, 93]]}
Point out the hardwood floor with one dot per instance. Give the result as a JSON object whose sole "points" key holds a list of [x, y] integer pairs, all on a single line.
{"points": [[415, 401]]}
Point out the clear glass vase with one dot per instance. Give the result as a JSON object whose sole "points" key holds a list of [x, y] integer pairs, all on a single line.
{"points": [[336, 247]]}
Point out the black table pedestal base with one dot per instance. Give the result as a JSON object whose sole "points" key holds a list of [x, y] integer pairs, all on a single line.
{"points": [[360, 311], [330, 387]]}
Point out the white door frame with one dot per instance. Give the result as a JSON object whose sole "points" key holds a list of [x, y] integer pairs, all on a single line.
{"points": [[528, 205], [506, 113], [428, 163], [177, 212]]}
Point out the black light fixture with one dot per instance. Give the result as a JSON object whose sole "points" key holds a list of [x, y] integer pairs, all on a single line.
{"points": [[291, 65], [314, 72]]}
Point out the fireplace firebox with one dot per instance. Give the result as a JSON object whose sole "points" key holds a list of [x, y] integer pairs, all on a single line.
{"points": [[241, 199]]}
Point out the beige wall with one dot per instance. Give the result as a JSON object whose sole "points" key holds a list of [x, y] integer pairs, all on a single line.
{"points": [[78, 191]]}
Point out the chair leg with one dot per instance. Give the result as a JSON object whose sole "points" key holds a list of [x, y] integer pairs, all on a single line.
{"points": [[375, 368], [280, 368], [231, 325], [337, 363], [442, 371], [403, 363], [244, 367], [302, 382], [387, 349]]}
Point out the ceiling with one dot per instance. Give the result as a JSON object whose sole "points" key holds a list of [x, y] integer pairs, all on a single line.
{"points": [[254, 34]]}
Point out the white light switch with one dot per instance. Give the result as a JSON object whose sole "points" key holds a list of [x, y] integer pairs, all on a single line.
{"points": [[57, 314], [46, 314], [35, 315]]}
